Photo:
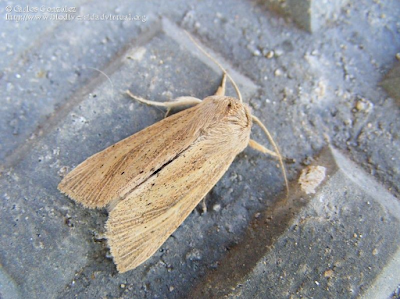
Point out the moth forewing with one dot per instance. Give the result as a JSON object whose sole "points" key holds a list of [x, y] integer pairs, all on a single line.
{"points": [[155, 178], [144, 219], [112, 173]]}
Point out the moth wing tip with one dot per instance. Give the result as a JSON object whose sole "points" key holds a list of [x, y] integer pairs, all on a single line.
{"points": [[116, 258], [123, 267], [114, 246], [78, 199]]}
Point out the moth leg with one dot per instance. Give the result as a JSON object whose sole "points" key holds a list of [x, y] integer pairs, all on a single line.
{"points": [[181, 102], [221, 88], [203, 205], [255, 145], [167, 113], [177, 103]]}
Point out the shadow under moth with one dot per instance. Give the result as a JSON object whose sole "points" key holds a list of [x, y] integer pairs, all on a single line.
{"points": [[152, 180]]}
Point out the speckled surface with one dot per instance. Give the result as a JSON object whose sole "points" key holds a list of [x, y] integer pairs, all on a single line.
{"points": [[333, 84]]}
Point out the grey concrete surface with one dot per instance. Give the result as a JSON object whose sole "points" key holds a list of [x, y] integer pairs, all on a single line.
{"points": [[328, 88], [339, 243], [391, 82], [309, 15]]}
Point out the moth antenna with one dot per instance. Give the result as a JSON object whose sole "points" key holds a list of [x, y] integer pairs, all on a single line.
{"points": [[258, 122], [217, 63], [109, 79]]}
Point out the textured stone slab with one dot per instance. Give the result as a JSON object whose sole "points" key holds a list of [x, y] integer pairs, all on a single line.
{"points": [[310, 15], [54, 68], [391, 82], [246, 86], [46, 239], [310, 88], [343, 243]]}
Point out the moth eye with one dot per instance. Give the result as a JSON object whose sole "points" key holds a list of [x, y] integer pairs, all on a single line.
{"points": [[229, 108]]}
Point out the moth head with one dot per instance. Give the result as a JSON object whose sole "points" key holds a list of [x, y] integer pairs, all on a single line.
{"points": [[231, 108]]}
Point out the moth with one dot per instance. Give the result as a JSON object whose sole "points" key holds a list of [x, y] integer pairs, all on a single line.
{"points": [[152, 180]]}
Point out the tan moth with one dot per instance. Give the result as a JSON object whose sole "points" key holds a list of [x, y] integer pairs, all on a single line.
{"points": [[152, 180]]}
